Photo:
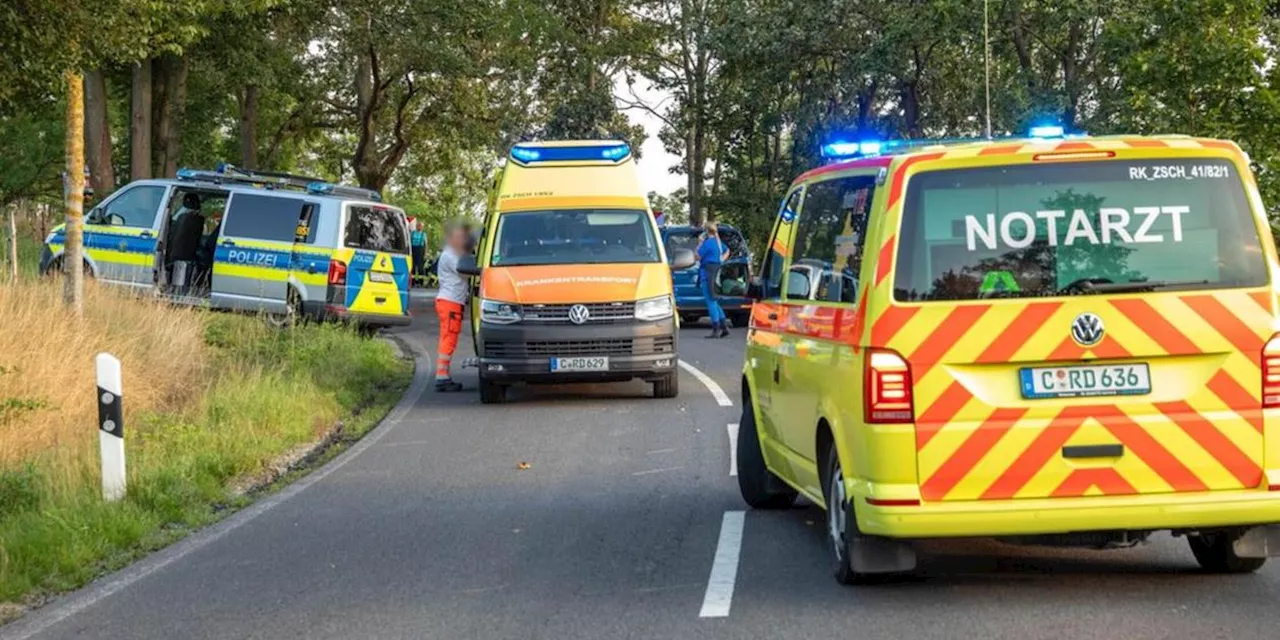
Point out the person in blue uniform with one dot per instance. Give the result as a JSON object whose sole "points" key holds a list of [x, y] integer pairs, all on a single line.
{"points": [[711, 254]]}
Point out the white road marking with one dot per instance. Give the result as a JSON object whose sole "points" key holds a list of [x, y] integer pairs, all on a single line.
{"points": [[733, 449], [70, 604], [721, 397], [724, 571], [652, 471], [658, 451]]}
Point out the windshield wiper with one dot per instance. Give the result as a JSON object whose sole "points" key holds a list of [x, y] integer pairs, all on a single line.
{"points": [[1145, 285]]}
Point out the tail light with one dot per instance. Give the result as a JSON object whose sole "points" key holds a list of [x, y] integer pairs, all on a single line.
{"points": [[337, 272], [887, 386], [1271, 373]]}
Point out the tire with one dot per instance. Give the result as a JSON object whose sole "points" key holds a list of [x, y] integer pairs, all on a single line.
{"points": [[760, 488], [292, 315], [55, 269], [492, 392], [842, 522], [1215, 553], [668, 386], [740, 319]]}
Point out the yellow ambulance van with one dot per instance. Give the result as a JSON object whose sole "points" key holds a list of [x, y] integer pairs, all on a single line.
{"points": [[574, 284], [1054, 340]]}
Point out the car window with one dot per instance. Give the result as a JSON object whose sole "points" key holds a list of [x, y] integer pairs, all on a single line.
{"points": [[682, 239], [134, 207], [262, 217], [771, 267], [375, 228], [1042, 230], [734, 242], [830, 234]]}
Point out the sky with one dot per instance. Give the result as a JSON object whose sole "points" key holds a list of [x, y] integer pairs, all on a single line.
{"points": [[654, 162]]}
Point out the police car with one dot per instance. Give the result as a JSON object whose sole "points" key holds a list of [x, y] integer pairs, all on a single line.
{"points": [[1058, 339], [284, 245]]}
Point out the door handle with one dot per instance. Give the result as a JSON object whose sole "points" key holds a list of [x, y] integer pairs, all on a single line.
{"points": [[228, 243], [145, 234], [1093, 451], [773, 316], [777, 377]]}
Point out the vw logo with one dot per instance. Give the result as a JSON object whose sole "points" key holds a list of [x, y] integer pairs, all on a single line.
{"points": [[579, 314], [1087, 329]]}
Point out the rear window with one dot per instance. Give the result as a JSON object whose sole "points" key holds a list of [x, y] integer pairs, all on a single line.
{"points": [[1073, 228], [376, 229], [689, 239]]}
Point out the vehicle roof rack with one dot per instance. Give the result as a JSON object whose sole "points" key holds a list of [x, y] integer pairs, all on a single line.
{"points": [[227, 173]]}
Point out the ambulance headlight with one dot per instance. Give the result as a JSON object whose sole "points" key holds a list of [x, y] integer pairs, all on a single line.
{"points": [[499, 312], [654, 308]]}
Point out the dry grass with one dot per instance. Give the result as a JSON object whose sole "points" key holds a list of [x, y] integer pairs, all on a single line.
{"points": [[46, 364], [209, 399]]}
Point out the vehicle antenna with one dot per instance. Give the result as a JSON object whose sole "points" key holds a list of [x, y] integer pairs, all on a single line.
{"points": [[986, 58]]}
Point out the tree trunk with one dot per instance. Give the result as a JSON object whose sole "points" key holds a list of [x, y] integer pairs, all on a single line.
{"points": [[249, 127], [693, 182], [169, 105], [72, 262], [140, 123], [97, 134]]}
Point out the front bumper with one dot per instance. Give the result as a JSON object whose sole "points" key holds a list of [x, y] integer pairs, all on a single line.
{"points": [[986, 518], [523, 352], [46, 259]]}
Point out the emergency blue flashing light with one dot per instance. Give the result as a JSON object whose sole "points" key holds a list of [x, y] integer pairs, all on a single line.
{"points": [[524, 154], [617, 152], [320, 188], [187, 174], [611, 151], [844, 150], [1048, 131]]}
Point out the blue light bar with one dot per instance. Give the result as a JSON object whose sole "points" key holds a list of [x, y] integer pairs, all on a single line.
{"points": [[613, 152], [842, 150], [1048, 131], [187, 174]]}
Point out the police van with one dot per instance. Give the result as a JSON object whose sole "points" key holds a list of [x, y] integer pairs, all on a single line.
{"points": [[1053, 340], [288, 246]]}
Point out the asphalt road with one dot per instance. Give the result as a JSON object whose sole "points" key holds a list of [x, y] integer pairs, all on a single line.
{"points": [[429, 529]]}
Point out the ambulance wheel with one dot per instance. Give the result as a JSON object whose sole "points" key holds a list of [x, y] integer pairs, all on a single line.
{"points": [[759, 487], [492, 392], [667, 386], [1216, 554], [842, 522]]}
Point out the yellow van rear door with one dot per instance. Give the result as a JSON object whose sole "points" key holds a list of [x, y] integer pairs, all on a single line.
{"points": [[1081, 331]]}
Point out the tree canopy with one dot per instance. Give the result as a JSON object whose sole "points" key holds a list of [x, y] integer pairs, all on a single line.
{"points": [[421, 97]]}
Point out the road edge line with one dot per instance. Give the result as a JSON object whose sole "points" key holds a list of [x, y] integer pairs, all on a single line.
{"points": [[724, 570], [67, 605], [721, 397]]}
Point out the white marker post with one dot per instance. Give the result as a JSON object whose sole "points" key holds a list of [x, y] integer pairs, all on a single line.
{"points": [[111, 426]]}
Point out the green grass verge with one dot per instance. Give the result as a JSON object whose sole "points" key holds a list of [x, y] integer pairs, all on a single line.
{"points": [[273, 391]]}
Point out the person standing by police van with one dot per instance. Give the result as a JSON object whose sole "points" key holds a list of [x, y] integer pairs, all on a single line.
{"points": [[450, 300], [418, 244], [711, 254]]}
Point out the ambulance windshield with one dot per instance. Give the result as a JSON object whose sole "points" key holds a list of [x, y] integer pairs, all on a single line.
{"points": [[574, 236], [1077, 228]]}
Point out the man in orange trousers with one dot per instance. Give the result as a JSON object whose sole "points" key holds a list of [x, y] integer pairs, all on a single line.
{"points": [[450, 300]]}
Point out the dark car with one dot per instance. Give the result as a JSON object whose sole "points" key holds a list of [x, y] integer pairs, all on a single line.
{"points": [[731, 280]]}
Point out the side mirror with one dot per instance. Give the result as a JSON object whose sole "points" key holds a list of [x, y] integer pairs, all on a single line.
{"points": [[467, 266], [682, 259], [94, 217], [115, 220], [755, 289]]}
